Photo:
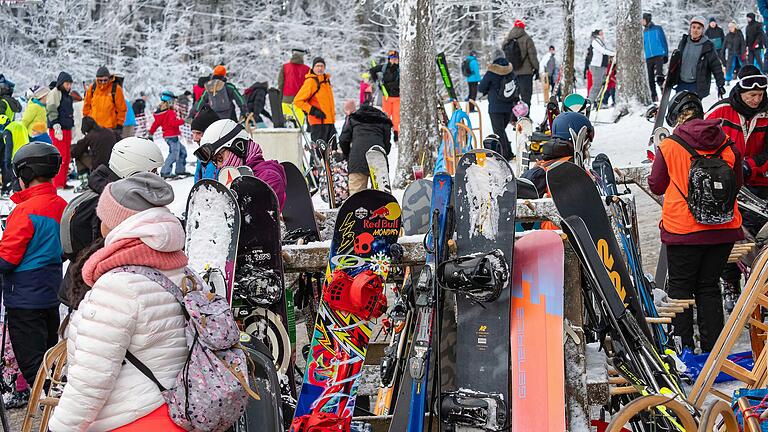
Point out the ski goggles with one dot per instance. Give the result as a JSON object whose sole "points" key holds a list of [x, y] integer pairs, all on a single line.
{"points": [[206, 152], [752, 82]]}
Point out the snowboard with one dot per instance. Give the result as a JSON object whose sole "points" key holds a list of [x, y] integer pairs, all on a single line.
{"points": [[416, 204], [298, 211], [265, 413], [575, 194], [673, 75], [366, 230], [536, 333], [378, 166], [227, 175], [276, 107], [260, 300], [485, 199], [212, 234], [445, 74], [523, 129]]}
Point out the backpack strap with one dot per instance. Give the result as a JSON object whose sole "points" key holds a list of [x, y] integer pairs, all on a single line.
{"points": [[144, 369]]}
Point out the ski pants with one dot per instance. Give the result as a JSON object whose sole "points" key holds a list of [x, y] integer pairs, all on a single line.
{"points": [[325, 132], [525, 83], [655, 66], [694, 272], [177, 154], [357, 182], [598, 79], [391, 106], [472, 94], [64, 145], [499, 122], [32, 332], [754, 57], [734, 64]]}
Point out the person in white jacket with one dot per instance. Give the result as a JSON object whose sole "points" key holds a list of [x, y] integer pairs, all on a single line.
{"points": [[599, 65], [125, 311]]}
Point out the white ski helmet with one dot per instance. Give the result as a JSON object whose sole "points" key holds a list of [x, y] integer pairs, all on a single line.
{"points": [[222, 134], [132, 155]]}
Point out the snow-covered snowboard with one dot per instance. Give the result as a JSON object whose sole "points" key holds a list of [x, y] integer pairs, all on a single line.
{"points": [[523, 131], [378, 165]]}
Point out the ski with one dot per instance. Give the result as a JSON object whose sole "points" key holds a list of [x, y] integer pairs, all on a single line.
{"points": [[523, 131], [378, 165], [445, 74], [325, 150], [673, 75]]}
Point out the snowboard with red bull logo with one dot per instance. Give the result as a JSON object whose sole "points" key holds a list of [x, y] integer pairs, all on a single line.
{"points": [[363, 250]]}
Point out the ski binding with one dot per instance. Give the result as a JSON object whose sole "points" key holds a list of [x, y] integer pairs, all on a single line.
{"points": [[474, 409]]}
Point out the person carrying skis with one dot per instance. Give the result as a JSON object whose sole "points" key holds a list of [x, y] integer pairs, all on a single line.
{"points": [[471, 70], [390, 83], [199, 124], [227, 144], [754, 40], [500, 85], [598, 67], [95, 148], [698, 244], [221, 95], [745, 121], [119, 311], [734, 49], [291, 76], [167, 119], [365, 127], [30, 257], [105, 102], [520, 51], [716, 34], [315, 97], [699, 62], [656, 52], [61, 121]]}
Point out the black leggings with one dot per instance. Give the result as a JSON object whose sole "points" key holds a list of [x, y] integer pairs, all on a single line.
{"points": [[32, 333], [499, 122]]}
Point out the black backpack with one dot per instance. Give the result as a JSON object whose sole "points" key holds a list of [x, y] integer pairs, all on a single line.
{"points": [[508, 91], [711, 186], [466, 69], [513, 53]]}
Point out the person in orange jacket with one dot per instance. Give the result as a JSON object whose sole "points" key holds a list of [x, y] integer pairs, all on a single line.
{"points": [[315, 97], [105, 103]]}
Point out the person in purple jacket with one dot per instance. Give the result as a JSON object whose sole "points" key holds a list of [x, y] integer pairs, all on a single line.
{"points": [[227, 144]]}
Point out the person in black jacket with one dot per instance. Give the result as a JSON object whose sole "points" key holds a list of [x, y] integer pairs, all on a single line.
{"points": [[364, 128], [255, 99], [499, 109], [389, 73], [734, 48], [95, 148], [755, 37], [699, 62], [716, 34]]}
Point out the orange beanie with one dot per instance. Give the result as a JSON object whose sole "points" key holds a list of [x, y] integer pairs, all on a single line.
{"points": [[220, 70]]}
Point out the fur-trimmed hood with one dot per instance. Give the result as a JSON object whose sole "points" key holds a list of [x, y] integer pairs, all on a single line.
{"points": [[500, 66]]}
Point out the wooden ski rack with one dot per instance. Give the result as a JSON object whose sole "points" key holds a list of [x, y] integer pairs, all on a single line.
{"points": [[739, 251]]}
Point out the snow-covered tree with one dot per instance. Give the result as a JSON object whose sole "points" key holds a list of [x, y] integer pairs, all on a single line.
{"points": [[632, 77]]}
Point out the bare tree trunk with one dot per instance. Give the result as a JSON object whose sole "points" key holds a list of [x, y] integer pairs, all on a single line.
{"points": [[632, 77], [568, 71], [418, 98]]}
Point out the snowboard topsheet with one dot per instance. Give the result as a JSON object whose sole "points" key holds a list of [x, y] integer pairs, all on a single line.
{"points": [[298, 211]]}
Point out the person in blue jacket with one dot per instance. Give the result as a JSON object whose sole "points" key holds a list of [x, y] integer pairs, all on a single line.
{"points": [[656, 52], [129, 126], [204, 118], [500, 107], [473, 79]]}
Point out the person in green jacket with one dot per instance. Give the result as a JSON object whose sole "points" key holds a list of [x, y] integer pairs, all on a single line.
{"points": [[13, 135], [35, 117]]}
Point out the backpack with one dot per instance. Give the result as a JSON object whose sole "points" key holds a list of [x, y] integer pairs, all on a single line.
{"points": [[590, 53], [114, 90], [219, 100], [711, 186], [211, 390], [508, 92], [466, 68], [513, 53], [78, 214]]}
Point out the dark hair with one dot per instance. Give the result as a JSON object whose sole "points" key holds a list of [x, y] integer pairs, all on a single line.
{"points": [[77, 288]]}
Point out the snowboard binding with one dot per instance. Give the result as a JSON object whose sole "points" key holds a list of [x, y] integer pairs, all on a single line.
{"points": [[480, 277], [260, 286], [474, 409], [362, 295]]}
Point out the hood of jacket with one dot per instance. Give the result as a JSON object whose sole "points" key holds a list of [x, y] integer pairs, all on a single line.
{"points": [[501, 66], [701, 134], [214, 85], [156, 227], [62, 78], [100, 178], [370, 115]]}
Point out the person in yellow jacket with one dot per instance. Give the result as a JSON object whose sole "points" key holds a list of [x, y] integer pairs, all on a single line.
{"points": [[35, 116], [13, 135], [105, 102], [315, 97]]}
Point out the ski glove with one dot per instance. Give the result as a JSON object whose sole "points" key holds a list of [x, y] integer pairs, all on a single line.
{"points": [[721, 91], [317, 112], [57, 133]]}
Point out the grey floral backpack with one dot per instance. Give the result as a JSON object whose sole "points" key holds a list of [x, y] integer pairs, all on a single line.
{"points": [[211, 390]]}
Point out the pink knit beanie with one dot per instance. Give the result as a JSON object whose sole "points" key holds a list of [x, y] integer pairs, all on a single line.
{"points": [[131, 195]]}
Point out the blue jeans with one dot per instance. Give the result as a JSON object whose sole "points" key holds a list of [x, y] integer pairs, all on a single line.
{"points": [[734, 64], [177, 154]]}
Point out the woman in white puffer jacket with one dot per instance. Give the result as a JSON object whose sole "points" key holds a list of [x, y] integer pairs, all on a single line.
{"points": [[125, 311]]}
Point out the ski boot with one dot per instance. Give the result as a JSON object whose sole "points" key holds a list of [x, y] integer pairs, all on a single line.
{"points": [[474, 409], [259, 286], [362, 295], [480, 277], [731, 293]]}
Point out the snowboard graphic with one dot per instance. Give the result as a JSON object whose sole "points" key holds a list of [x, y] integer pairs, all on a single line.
{"points": [[416, 204], [536, 333], [212, 233], [378, 165], [298, 211], [360, 259]]}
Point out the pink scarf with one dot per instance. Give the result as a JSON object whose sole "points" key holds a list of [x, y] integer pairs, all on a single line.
{"points": [[129, 252]]}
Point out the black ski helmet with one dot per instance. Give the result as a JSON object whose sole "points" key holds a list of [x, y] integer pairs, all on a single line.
{"points": [[36, 159], [682, 101], [567, 121]]}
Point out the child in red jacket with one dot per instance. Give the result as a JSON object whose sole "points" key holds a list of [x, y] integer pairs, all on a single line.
{"points": [[167, 119]]}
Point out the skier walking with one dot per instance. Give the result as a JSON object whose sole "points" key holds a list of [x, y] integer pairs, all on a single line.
{"points": [[365, 127], [291, 76], [716, 34], [167, 119], [119, 312], [656, 52], [390, 81], [698, 245], [105, 102], [503, 93], [221, 95], [471, 71], [745, 121], [315, 97], [755, 41], [30, 257], [699, 62], [734, 49], [520, 51], [598, 67]]}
